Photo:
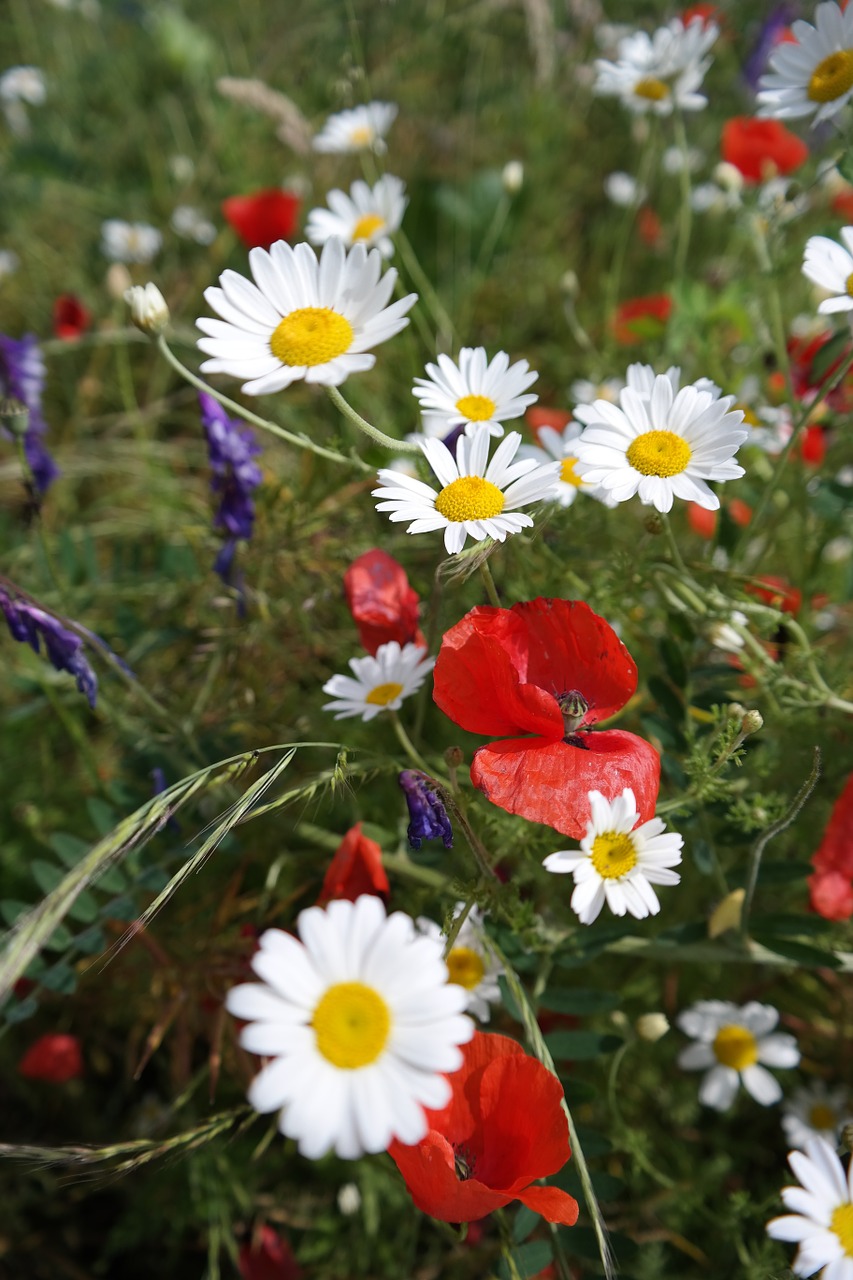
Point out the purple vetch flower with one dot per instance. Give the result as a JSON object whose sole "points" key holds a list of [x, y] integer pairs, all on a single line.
{"points": [[22, 375], [30, 625], [428, 818], [232, 448], [768, 37]]}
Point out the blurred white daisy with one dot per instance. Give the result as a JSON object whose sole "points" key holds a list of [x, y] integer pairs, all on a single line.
{"points": [[731, 1044], [618, 861], [558, 446], [357, 129], [814, 1111], [475, 392], [191, 223], [129, 241], [478, 498], [661, 72], [23, 84], [9, 263], [584, 390], [830, 265], [381, 682], [813, 74], [301, 318], [470, 963], [822, 1221], [368, 215], [360, 1024], [623, 189], [661, 446]]}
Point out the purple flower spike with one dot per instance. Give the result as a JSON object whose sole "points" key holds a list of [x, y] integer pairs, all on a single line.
{"points": [[232, 448], [64, 649], [428, 816], [22, 375]]}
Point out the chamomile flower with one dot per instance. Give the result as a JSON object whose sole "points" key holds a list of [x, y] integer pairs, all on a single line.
{"points": [[822, 1221], [558, 446], [23, 84], [662, 72], [129, 241], [815, 1111], [360, 1023], [731, 1044], [368, 215], [813, 74], [661, 446], [618, 861], [584, 390], [302, 318], [830, 265], [478, 498], [358, 129], [381, 682], [192, 224], [470, 963], [475, 392]]}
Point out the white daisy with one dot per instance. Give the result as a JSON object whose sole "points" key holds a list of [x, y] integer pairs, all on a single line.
{"points": [[470, 962], [368, 215], [357, 129], [623, 189], [192, 224], [660, 72], [815, 1111], [830, 265], [23, 84], [731, 1043], [129, 241], [618, 861], [815, 74], [360, 1023], [584, 390], [476, 500], [662, 446], [381, 682], [475, 392], [558, 446], [301, 318], [822, 1221]]}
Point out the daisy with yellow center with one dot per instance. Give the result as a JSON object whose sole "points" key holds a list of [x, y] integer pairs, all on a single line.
{"points": [[380, 683], [661, 445], [732, 1043], [661, 72], [360, 1024], [619, 861], [822, 1219], [559, 446], [473, 393], [814, 73], [470, 963], [302, 317], [815, 1111], [359, 129], [368, 215], [830, 266]]}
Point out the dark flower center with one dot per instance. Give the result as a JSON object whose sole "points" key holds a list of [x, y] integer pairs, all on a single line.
{"points": [[573, 707], [464, 1162]]}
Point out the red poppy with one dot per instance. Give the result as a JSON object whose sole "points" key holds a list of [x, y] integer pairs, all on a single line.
{"points": [[355, 869], [268, 1257], [777, 592], [740, 511], [842, 203], [707, 12], [808, 372], [551, 669], [383, 605], [813, 445], [701, 520], [70, 317], [831, 886], [649, 227], [539, 416], [263, 217], [503, 1128], [761, 149], [55, 1058], [640, 319]]}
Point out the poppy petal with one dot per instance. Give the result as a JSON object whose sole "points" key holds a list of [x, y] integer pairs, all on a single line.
{"points": [[383, 605], [552, 1204], [429, 1172]]}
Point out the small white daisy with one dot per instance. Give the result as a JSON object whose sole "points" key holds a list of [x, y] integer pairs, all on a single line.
{"points": [[475, 392], [477, 500], [358, 129], [814, 1111], [584, 390], [623, 189], [830, 265], [23, 84], [470, 962], [192, 224], [129, 241], [661, 446], [301, 318], [822, 1221], [368, 215], [9, 263], [558, 446], [814, 74], [381, 682], [661, 72], [618, 861], [360, 1024], [731, 1043]]}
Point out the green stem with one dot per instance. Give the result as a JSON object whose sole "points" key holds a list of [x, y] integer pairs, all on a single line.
{"points": [[456, 924], [489, 584], [378, 437], [685, 214], [407, 744], [673, 547], [422, 282]]}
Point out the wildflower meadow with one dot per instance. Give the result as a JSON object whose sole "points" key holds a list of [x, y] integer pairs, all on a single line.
{"points": [[425, 652]]}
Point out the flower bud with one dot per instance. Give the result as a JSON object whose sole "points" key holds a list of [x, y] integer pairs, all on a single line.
{"points": [[512, 177], [454, 757], [752, 722], [651, 1026], [14, 416], [148, 309], [728, 176], [349, 1199]]}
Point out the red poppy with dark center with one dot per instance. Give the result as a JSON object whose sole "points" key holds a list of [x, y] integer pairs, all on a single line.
{"points": [[640, 319], [54, 1058], [383, 605], [355, 869], [831, 886], [503, 1129], [263, 217], [550, 669], [268, 1257], [761, 149], [70, 317]]}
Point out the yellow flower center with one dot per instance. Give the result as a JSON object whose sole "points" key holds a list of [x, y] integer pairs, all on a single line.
{"points": [[654, 90], [568, 475], [351, 1024], [362, 136], [750, 417], [466, 968], [311, 336], [367, 226], [613, 854], [841, 1223], [848, 286], [659, 453], [822, 1117], [469, 498], [832, 77], [735, 1047], [383, 694], [476, 408]]}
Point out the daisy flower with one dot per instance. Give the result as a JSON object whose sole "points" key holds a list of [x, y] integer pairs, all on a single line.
{"points": [[558, 446], [731, 1043], [814, 74], [815, 1112], [302, 318], [476, 500], [474, 392], [357, 129], [661, 72], [830, 265], [822, 1221], [368, 215], [470, 962], [129, 241], [23, 84], [618, 861], [381, 682], [584, 390], [360, 1023], [662, 446], [191, 223]]}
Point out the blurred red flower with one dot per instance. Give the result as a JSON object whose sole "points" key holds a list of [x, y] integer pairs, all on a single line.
{"points": [[701, 520], [263, 217], [70, 317], [538, 416], [383, 605], [813, 445], [761, 149], [707, 12], [842, 203], [355, 869], [53, 1057], [777, 592], [640, 319], [551, 669], [268, 1257], [809, 369], [831, 886], [503, 1128], [740, 511]]}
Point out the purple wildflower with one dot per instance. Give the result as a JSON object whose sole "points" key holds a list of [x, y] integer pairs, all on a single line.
{"points": [[232, 448], [428, 816], [768, 37], [22, 375], [64, 649]]}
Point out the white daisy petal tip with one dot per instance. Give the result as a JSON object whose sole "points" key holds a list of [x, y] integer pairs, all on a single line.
{"points": [[823, 1229]]}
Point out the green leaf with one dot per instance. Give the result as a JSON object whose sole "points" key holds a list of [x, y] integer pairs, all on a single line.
{"points": [[580, 1046], [102, 815], [579, 1000], [702, 855], [20, 1010], [91, 942], [800, 953], [12, 908], [508, 1000], [68, 848], [525, 1220], [47, 875], [673, 661], [529, 1260], [787, 924], [84, 908], [113, 880], [122, 908], [153, 879], [59, 940], [61, 978]]}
